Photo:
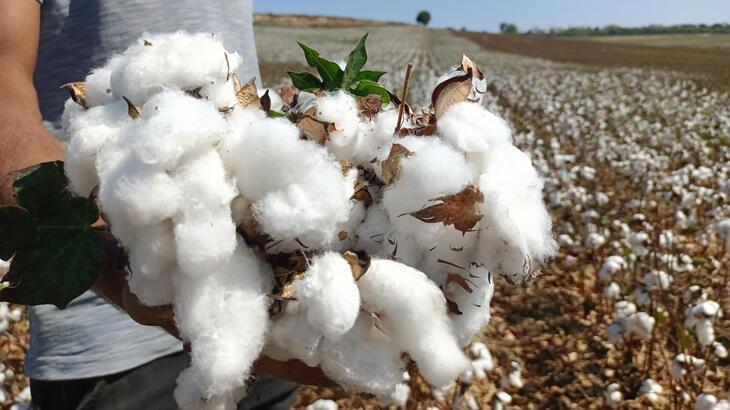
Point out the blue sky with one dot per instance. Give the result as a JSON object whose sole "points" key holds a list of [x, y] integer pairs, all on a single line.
{"points": [[487, 14]]}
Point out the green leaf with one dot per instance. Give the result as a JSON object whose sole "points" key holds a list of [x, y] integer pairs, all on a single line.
{"points": [[355, 62], [330, 72], [56, 254], [363, 88], [370, 75], [17, 229], [275, 114], [305, 81], [41, 188]]}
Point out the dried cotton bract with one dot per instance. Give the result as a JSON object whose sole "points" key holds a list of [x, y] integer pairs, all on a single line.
{"points": [[333, 236]]}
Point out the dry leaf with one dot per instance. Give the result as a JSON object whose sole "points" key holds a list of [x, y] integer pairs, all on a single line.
{"points": [[370, 105], [265, 101], [148, 43], [458, 209], [450, 92], [467, 63], [391, 166], [78, 92], [362, 194], [346, 166], [289, 95], [459, 280], [359, 263], [342, 235], [313, 129], [133, 111], [453, 307], [248, 95]]}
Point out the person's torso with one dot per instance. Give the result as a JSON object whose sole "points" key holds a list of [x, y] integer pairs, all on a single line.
{"points": [[91, 337]]}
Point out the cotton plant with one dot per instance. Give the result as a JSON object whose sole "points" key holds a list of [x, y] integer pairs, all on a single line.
{"points": [[327, 222]]}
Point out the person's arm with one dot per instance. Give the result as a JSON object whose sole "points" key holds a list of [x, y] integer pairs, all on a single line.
{"points": [[23, 139]]}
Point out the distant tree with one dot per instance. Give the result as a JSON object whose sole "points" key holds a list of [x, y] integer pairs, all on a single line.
{"points": [[423, 17], [507, 28]]}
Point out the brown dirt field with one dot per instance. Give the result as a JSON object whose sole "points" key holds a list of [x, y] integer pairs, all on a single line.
{"points": [[712, 64]]}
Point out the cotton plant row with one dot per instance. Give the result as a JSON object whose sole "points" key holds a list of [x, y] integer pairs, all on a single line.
{"points": [[652, 237], [330, 223]]}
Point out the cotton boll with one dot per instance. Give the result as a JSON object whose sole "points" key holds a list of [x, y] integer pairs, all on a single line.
{"points": [[220, 93], [204, 229], [225, 317], [473, 305], [329, 294], [515, 231], [348, 228], [303, 193], [292, 337], [87, 132], [148, 196], [341, 109], [472, 129], [414, 314], [433, 170], [363, 358], [98, 83], [174, 125], [174, 60], [323, 404], [70, 111], [373, 232], [378, 142], [152, 262]]}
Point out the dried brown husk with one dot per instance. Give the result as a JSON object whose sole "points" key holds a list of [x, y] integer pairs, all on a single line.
{"points": [[77, 90], [458, 210], [391, 166], [314, 129], [133, 111]]}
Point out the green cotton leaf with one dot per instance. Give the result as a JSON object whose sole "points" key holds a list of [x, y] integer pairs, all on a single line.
{"points": [[17, 229], [56, 253], [305, 81], [363, 88], [330, 72], [275, 114], [355, 62], [42, 187], [370, 75]]}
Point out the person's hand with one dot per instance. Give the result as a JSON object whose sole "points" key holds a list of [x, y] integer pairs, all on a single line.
{"points": [[112, 285]]}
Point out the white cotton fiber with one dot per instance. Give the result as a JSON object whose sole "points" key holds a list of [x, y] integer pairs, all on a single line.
{"points": [[174, 125], [184, 168], [364, 359], [413, 312], [302, 194], [515, 231], [225, 317], [152, 260], [292, 337], [204, 229], [433, 170], [87, 132], [176, 60], [372, 234], [329, 295], [341, 109], [472, 301], [474, 130], [98, 84]]}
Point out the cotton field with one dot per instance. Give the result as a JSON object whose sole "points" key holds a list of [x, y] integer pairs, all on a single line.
{"points": [[633, 312]]}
